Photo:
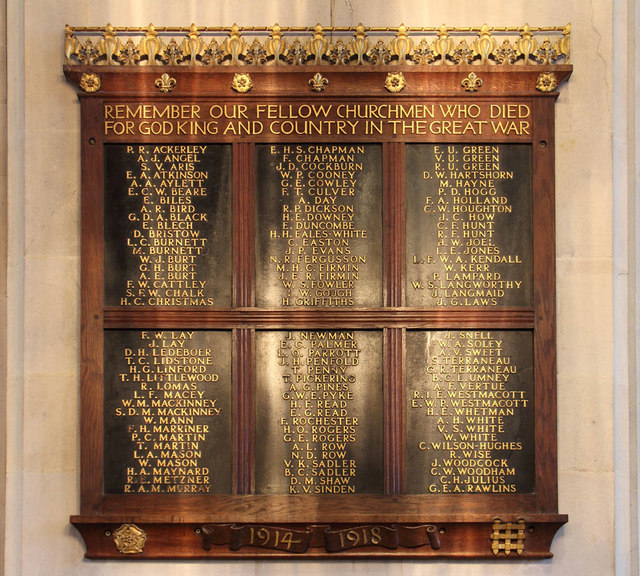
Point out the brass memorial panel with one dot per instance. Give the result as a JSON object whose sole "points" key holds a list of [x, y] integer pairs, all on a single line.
{"points": [[469, 219], [167, 225], [319, 222], [167, 412], [319, 420], [470, 412]]}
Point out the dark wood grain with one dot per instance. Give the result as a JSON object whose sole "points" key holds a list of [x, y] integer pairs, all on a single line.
{"points": [[92, 272], [276, 318], [172, 521], [544, 270]]}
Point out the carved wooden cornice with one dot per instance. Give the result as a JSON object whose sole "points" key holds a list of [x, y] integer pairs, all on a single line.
{"points": [[300, 46]]}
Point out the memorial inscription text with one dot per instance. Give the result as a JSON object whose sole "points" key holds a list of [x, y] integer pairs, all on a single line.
{"points": [[470, 412], [469, 225], [167, 414], [167, 225], [319, 213], [319, 412]]}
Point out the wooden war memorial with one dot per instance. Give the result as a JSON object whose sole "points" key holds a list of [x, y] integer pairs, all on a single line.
{"points": [[318, 291]]}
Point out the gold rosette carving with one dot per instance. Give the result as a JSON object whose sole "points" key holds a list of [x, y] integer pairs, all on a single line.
{"points": [[90, 82], [242, 83], [395, 82], [129, 539]]}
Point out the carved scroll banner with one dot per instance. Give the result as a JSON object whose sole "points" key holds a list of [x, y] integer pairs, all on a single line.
{"points": [[318, 290]]}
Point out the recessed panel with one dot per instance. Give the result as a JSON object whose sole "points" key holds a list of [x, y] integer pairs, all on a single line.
{"points": [[319, 225], [470, 412], [167, 225], [469, 225], [319, 425], [167, 412]]}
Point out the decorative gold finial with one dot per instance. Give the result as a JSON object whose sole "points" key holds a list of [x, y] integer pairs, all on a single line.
{"points": [[564, 44], [235, 44], [402, 45], [485, 44], [318, 45], [276, 45], [70, 43], [109, 44], [443, 46], [151, 45], [192, 46], [359, 45], [527, 44]]}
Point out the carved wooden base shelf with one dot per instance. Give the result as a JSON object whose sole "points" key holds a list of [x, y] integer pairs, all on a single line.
{"points": [[442, 536]]}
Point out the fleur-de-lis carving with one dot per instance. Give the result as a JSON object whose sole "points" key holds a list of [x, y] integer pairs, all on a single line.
{"points": [[471, 83], [423, 53], [129, 54], [172, 54], [505, 54], [297, 53], [379, 54], [88, 53], [213, 54], [318, 82], [462, 54], [339, 54], [256, 53], [546, 54], [165, 83]]}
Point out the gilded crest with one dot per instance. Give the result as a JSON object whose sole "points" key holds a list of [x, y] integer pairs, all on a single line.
{"points": [[471, 83], [547, 82], [90, 82], [165, 83], [318, 82], [395, 82], [242, 83], [129, 539]]}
